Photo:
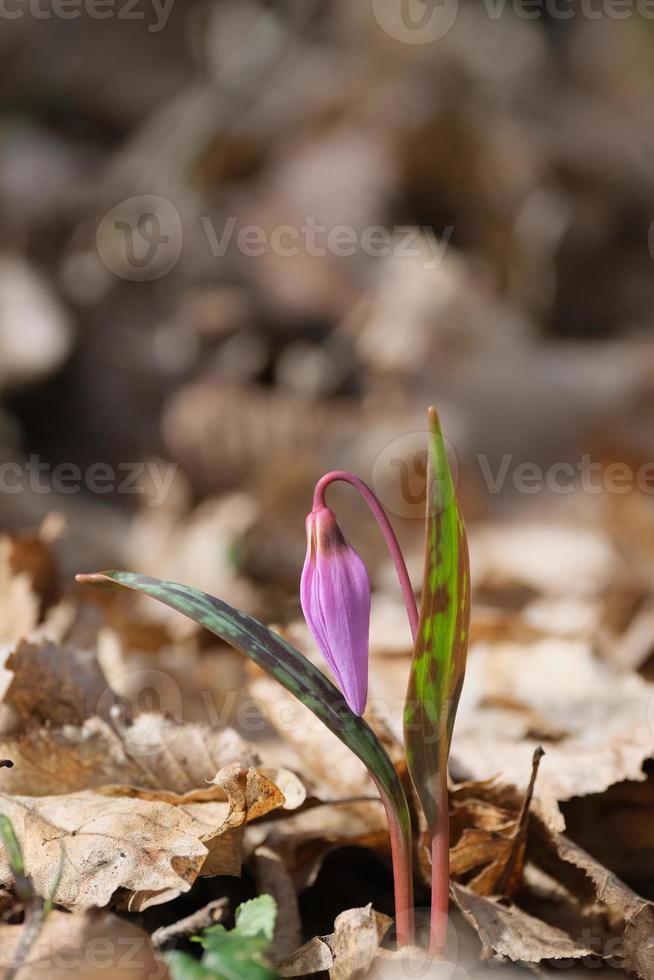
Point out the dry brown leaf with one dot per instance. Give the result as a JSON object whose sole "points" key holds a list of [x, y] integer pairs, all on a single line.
{"points": [[28, 583], [496, 853], [154, 753], [42, 683], [511, 932], [636, 950], [19, 605], [597, 720], [347, 953], [162, 758], [151, 845], [89, 946]]}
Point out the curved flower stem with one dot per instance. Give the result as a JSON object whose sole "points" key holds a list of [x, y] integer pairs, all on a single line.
{"points": [[379, 514], [399, 823]]}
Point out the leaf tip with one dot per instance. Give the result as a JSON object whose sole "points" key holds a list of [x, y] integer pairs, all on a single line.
{"points": [[93, 578], [434, 421]]}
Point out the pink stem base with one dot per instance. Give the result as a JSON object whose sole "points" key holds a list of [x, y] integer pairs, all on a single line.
{"points": [[402, 875], [440, 874]]}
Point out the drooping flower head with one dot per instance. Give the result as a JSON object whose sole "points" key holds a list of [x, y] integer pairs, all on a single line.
{"points": [[335, 597]]}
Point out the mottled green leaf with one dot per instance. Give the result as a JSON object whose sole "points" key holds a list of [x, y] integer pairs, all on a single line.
{"points": [[441, 645], [283, 662]]}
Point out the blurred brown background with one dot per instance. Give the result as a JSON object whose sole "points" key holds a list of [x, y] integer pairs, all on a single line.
{"points": [[256, 240]]}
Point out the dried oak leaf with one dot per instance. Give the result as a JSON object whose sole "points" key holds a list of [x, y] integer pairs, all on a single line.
{"points": [[631, 915], [511, 932], [148, 845], [164, 759], [89, 945], [347, 953]]}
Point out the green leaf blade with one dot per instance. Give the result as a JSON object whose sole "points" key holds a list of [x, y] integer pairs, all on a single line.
{"points": [[283, 662], [439, 658]]}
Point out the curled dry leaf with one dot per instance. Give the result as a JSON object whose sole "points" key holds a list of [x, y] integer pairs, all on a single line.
{"points": [[631, 917], [511, 932], [89, 945], [348, 952], [494, 847], [148, 845], [154, 758]]}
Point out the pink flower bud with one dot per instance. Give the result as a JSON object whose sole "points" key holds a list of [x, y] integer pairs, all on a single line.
{"points": [[335, 597]]}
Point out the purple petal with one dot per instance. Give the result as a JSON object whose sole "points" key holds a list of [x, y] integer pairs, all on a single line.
{"points": [[335, 597]]}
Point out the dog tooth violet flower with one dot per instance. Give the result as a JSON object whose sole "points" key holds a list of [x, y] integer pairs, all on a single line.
{"points": [[335, 597]]}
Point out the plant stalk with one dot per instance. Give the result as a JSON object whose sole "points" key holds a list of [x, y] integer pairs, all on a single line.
{"points": [[440, 871], [401, 853]]}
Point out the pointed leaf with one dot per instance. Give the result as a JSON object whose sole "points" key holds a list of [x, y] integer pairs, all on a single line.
{"points": [[439, 656], [283, 662]]}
